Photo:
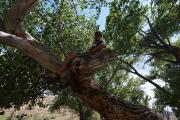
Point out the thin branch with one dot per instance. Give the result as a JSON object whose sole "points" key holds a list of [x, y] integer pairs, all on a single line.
{"points": [[169, 42], [127, 70], [168, 48], [164, 45], [141, 34], [171, 61], [145, 78], [50, 1], [151, 42], [157, 34]]}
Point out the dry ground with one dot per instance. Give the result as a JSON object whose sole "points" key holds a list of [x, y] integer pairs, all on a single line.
{"points": [[39, 113]]}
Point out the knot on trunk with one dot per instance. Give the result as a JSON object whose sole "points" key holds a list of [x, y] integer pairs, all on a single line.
{"points": [[87, 64], [84, 66]]}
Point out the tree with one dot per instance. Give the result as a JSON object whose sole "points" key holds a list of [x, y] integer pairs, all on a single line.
{"points": [[81, 84], [30, 84], [155, 43], [166, 56], [121, 85]]}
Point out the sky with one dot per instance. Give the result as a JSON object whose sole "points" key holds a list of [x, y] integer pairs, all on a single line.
{"points": [[102, 18], [105, 12]]}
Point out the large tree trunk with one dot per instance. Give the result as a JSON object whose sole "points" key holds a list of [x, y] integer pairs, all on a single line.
{"points": [[109, 106]]}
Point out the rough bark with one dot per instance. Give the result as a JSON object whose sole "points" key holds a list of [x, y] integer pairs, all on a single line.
{"points": [[110, 107], [113, 108]]}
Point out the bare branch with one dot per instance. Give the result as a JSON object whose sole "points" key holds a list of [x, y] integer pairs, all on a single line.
{"points": [[169, 42], [33, 49]]}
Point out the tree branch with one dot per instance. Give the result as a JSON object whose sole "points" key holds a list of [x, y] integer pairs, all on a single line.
{"points": [[145, 78], [98, 98], [164, 46], [32, 49], [169, 42], [155, 32]]}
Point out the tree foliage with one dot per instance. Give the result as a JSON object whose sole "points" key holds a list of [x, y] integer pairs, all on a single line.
{"points": [[136, 32], [149, 33]]}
